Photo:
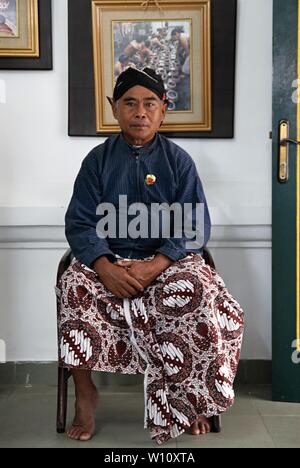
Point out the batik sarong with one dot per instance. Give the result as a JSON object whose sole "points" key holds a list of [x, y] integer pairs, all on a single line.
{"points": [[183, 332]]}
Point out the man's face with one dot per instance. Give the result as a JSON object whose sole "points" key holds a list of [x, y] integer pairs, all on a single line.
{"points": [[140, 113]]}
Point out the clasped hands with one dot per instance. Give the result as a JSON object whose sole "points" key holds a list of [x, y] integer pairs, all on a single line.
{"points": [[128, 278]]}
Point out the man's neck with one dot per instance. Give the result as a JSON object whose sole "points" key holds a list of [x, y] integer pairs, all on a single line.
{"points": [[138, 143]]}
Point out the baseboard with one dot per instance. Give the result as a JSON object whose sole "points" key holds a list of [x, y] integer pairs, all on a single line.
{"points": [[38, 373]]}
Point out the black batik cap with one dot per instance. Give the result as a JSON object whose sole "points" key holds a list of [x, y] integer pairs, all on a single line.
{"points": [[147, 78]]}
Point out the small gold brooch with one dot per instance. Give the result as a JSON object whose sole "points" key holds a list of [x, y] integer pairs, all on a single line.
{"points": [[150, 179]]}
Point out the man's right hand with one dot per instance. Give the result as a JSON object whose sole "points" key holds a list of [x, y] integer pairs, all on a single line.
{"points": [[116, 279]]}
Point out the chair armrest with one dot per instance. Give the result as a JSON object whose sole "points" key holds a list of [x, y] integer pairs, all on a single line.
{"points": [[208, 258], [64, 264]]}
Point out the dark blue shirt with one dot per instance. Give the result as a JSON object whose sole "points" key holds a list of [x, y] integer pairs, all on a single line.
{"points": [[116, 168]]}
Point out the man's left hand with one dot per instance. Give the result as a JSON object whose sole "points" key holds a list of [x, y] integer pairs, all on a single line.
{"points": [[146, 272]]}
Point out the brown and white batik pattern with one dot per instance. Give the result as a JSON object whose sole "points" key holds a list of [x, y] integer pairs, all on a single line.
{"points": [[184, 332]]}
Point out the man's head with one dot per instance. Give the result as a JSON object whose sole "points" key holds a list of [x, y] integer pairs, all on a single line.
{"points": [[139, 104], [123, 59], [175, 34], [139, 39]]}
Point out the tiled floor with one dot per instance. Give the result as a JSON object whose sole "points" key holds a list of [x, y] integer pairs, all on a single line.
{"points": [[27, 419]]}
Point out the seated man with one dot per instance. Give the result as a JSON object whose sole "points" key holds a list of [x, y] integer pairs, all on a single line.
{"points": [[133, 302]]}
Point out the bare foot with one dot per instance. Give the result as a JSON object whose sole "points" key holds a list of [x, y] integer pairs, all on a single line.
{"points": [[200, 426], [83, 426]]}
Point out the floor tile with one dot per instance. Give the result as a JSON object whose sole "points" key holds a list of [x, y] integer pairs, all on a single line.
{"points": [[28, 413], [29, 420], [274, 408], [245, 431], [284, 430]]}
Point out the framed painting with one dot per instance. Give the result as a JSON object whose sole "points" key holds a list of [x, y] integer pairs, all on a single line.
{"points": [[191, 43], [25, 34], [174, 40]]}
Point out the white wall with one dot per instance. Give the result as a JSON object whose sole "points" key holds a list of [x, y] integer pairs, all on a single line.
{"points": [[39, 163]]}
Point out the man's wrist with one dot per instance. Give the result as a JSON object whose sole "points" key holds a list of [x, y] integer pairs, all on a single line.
{"points": [[100, 264], [161, 262]]}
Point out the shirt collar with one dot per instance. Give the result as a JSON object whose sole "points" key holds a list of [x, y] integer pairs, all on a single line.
{"points": [[144, 150]]}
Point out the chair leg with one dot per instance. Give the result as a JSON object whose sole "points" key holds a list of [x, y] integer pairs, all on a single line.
{"points": [[62, 399], [215, 424]]}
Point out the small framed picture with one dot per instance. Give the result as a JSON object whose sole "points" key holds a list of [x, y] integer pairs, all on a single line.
{"points": [[25, 34]]}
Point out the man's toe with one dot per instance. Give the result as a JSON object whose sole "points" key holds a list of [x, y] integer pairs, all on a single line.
{"points": [[74, 433], [85, 436], [206, 428], [195, 428], [202, 428]]}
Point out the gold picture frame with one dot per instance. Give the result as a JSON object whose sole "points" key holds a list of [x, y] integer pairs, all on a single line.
{"points": [[192, 109], [25, 42]]}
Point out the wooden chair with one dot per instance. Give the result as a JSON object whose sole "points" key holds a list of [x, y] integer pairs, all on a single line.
{"points": [[64, 374]]}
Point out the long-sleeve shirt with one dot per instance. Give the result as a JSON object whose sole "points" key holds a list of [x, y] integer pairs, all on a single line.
{"points": [[116, 168]]}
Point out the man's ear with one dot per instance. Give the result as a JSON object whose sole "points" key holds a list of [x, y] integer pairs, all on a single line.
{"points": [[164, 112], [165, 108], [113, 106]]}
